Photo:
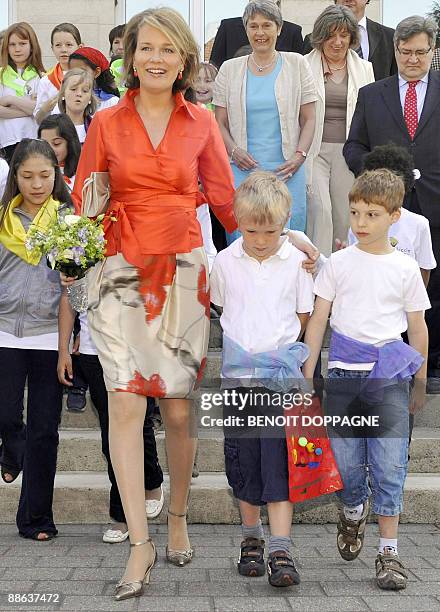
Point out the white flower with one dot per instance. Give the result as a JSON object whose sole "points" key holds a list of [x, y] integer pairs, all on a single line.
{"points": [[68, 253], [71, 219]]}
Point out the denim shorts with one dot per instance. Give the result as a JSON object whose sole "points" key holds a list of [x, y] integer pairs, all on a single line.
{"points": [[370, 464]]}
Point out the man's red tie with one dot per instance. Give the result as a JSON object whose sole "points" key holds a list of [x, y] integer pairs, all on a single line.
{"points": [[410, 109]]}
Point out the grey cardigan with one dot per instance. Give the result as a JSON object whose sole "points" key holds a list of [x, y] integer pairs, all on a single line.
{"points": [[29, 295]]}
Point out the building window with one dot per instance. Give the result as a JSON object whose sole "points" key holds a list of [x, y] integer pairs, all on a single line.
{"points": [[203, 16], [214, 13], [394, 11], [136, 6], [4, 14]]}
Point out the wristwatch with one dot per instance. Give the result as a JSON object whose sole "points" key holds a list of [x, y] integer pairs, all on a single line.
{"points": [[303, 153]]}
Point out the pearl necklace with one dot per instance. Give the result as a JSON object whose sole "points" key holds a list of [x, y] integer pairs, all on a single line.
{"points": [[332, 69], [261, 68]]}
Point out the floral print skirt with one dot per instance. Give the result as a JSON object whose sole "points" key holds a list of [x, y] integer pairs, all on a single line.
{"points": [[151, 324]]}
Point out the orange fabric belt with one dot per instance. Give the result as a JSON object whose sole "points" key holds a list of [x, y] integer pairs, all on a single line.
{"points": [[160, 228]]}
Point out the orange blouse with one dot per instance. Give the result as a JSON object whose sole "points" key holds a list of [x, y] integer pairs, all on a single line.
{"points": [[154, 193]]}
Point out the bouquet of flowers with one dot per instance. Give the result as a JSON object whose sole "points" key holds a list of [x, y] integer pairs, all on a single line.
{"points": [[71, 244]]}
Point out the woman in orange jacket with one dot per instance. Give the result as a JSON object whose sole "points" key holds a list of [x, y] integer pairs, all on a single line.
{"points": [[149, 300]]}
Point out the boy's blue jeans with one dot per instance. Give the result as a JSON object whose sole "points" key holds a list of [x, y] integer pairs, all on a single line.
{"points": [[370, 464]]}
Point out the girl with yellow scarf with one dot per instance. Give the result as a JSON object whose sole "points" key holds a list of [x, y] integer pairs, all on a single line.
{"points": [[30, 291]]}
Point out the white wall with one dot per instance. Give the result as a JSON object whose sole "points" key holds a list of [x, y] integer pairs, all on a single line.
{"points": [[93, 18]]}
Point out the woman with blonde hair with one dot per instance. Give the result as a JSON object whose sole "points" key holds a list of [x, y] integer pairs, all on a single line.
{"points": [[149, 300], [21, 68], [339, 73], [77, 101]]}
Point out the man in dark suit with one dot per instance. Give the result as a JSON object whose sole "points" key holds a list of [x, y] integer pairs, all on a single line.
{"points": [[405, 110], [376, 40], [231, 36]]}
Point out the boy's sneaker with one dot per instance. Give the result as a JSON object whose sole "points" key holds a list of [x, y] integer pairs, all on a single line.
{"points": [[281, 569], [76, 399], [350, 538], [251, 560], [390, 573]]}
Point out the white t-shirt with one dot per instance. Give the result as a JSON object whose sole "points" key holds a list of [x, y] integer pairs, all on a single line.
{"points": [[14, 130], [410, 235], [260, 300], [108, 103], [204, 219], [86, 344], [43, 342], [81, 131], [371, 295], [4, 170], [46, 91]]}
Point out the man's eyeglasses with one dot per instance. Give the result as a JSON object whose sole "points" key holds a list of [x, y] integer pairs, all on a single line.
{"points": [[418, 53]]}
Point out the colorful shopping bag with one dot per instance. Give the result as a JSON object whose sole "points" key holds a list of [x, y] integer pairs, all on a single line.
{"points": [[312, 466]]}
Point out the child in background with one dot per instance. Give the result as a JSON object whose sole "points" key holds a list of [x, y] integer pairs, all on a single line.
{"points": [[116, 40], [89, 365], [64, 40], [203, 95], [35, 195], [76, 99], [59, 131], [98, 66], [374, 293], [21, 68], [266, 297], [410, 234], [204, 85]]}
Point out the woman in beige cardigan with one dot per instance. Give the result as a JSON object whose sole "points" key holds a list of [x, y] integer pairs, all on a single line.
{"points": [[265, 107], [339, 73]]}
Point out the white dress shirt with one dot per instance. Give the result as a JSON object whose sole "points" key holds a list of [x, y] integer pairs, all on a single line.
{"points": [[421, 88], [365, 45]]}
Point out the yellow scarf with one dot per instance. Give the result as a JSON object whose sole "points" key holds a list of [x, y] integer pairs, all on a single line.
{"points": [[12, 233]]}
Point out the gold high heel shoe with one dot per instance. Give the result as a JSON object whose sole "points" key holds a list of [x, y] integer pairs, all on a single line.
{"points": [[179, 557], [126, 590]]}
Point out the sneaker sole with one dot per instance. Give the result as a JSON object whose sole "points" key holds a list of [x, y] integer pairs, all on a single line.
{"points": [[285, 580], [391, 585], [251, 569]]}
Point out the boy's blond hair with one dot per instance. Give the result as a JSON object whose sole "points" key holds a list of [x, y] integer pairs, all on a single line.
{"points": [[263, 198], [381, 187]]}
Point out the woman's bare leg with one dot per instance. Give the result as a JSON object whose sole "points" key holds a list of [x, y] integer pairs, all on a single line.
{"points": [[126, 420], [181, 444]]}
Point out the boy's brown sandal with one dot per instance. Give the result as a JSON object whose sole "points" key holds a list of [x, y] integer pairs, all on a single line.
{"points": [[390, 573], [350, 538]]}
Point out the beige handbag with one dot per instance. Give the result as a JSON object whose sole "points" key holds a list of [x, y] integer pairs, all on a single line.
{"points": [[95, 194]]}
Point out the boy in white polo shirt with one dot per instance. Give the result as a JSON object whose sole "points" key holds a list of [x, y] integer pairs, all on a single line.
{"points": [[375, 293], [266, 298]]}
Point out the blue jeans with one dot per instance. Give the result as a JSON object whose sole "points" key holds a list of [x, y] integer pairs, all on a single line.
{"points": [[376, 463]]}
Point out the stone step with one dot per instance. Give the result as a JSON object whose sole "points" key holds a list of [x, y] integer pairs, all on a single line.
{"points": [[82, 497], [80, 450]]}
